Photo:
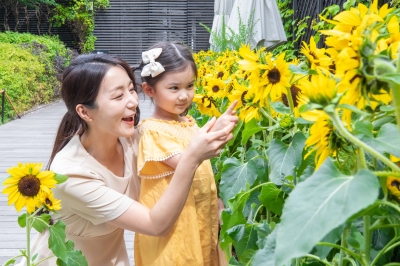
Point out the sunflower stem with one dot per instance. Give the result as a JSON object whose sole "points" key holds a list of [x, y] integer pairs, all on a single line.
{"points": [[396, 96], [350, 137], [367, 239], [28, 240], [267, 115], [344, 244], [290, 100], [384, 174]]}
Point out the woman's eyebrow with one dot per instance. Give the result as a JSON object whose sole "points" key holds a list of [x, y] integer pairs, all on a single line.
{"points": [[121, 86]]}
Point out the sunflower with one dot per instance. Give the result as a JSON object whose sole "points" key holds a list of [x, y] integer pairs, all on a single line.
{"points": [[320, 89], [26, 184], [317, 57], [215, 88], [250, 59], [50, 202], [249, 112], [320, 135], [206, 105], [239, 93], [393, 185], [276, 77]]}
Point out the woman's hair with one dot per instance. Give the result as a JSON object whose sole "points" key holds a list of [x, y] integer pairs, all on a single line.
{"points": [[80, 84], [175, 57]]}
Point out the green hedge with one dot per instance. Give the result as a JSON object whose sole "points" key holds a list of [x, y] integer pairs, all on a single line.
{"points": [[30, 66]]}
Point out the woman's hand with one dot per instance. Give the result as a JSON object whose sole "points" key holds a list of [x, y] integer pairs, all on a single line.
{"points": [[226, 118]]}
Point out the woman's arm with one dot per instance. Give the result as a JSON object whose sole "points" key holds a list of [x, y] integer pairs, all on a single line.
{"points": [[161, 218]]}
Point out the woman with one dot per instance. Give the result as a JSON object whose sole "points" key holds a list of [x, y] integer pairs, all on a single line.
{"points": [[95, 148]]}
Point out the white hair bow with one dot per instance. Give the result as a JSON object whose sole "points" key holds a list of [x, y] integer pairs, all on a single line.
{"points": [[152, 68]]}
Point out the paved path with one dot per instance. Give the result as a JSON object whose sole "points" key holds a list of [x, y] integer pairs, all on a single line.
{"points": [[30, 139]]}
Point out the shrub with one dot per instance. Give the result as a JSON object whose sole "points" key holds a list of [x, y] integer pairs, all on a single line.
{"points": [[29, 68]]}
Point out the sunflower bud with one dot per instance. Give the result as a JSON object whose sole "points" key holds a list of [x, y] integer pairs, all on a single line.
{"points": [[286, 121]]}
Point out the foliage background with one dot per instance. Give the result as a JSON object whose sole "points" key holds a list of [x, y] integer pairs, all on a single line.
{"points": [[30, 66]]}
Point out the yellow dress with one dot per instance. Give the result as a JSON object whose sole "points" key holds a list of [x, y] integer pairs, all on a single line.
{"points": [[193, 239]]}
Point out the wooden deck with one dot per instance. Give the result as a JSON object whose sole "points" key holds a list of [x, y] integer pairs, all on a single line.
{"points": [[30, 139]]}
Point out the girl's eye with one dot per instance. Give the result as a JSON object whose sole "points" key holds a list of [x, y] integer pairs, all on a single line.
{"points": [[119, 97], [175, 88], [191, 86], [132, 90]]}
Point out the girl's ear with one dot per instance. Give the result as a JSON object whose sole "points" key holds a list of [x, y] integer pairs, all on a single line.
{"points": [[147, 89], [82, 111]]}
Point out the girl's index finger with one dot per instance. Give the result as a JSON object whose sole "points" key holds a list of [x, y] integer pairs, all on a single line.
{"points": [[231, 107]]}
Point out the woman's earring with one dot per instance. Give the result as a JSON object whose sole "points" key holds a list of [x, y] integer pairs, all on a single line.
{"points": [[91, 120]]}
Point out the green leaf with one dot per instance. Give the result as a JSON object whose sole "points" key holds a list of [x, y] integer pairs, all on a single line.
{"points": [[40, 223], [251, 128], [284, 158], [297, 70], [279, 107], [60, 178], [265, 256], [229, 221], [272, 198], [238, 128], [9, 262], [235, 175], [392, 78], [318, 205], [57, 240], [74, 258], [388, 139], [354, 109], [244, 237], [22, 220]]}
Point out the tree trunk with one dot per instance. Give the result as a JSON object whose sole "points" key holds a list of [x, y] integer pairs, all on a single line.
{"points": [[48, 15], [15, 12], [26, 18], [37, 13], [6, 13]]}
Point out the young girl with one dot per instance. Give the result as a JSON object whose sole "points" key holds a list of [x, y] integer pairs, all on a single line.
{"points": [[168, 75]]}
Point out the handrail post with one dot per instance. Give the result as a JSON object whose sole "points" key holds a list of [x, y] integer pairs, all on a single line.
{"points": [[3, 92]]}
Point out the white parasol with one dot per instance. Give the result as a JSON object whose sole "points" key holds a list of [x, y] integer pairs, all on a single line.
{"points": [[222, 11], [268, 29]]}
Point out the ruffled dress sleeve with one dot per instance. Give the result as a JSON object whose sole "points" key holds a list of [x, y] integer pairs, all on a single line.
{"points": [[154, 148]]}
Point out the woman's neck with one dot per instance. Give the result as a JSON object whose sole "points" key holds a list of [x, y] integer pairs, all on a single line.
{"points": [[107, 150]]}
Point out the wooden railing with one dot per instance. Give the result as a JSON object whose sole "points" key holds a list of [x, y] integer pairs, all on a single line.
{"points": [[5, 95]]}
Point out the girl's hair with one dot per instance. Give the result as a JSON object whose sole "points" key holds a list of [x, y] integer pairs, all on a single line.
{"points": [[80, 84], [175, 57]]}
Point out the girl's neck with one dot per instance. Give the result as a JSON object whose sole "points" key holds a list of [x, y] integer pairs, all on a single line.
{"points": [[164, 115]]}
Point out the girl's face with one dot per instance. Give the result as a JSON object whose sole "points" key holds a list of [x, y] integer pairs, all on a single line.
{"points": [[116, 104], [173, 94]]}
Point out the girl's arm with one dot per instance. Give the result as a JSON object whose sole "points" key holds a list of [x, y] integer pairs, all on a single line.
{"points": [[223, 121], [158, 220]]}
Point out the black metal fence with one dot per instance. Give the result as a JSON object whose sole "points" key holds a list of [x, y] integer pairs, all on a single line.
{"points": [[311, 8], [130, 27]]}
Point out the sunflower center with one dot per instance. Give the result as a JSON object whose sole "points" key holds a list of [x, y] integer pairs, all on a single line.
{"points": [[48, 202], [396, 184], [29, 185], [274, 76], [314, 55], [215, 88], [294, 90], [242, 98], [220, 74]]}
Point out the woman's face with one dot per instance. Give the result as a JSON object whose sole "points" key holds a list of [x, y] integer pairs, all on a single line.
{"points": [[116, 104]]}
